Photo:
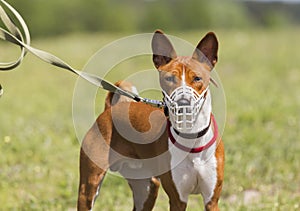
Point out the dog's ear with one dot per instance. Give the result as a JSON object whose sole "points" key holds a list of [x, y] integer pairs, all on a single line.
{"points": [[163, 51], [207, 49]]}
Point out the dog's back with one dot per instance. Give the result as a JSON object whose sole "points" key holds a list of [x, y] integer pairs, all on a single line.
{"points": [[137, 139], [113, 98]]}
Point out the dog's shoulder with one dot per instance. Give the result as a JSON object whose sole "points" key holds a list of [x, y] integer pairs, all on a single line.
{"points": [[113, 98]]}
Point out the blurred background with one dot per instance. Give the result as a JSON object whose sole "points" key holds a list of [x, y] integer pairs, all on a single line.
{"points": [[259, 66], [56, 17]]}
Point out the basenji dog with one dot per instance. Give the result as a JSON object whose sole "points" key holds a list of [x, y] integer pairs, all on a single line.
{"points": [[177, 147]]}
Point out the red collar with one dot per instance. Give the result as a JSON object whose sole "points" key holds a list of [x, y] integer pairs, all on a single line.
{"points": [[198, 149]]}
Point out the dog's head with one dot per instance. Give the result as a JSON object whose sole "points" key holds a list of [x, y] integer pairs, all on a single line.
{"points": [[184, 79]]}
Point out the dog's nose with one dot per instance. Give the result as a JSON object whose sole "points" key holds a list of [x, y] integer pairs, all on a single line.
{"points": [[183, 102]]}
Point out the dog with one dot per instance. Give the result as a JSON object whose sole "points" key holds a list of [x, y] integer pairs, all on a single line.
{"points": [[177, 147]]}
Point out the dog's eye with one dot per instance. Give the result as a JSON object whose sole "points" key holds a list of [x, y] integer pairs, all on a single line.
{"points": [[197, 79], [170, 78]]}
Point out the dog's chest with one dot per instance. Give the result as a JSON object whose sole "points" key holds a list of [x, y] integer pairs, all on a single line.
{"points": [[194, 173]]}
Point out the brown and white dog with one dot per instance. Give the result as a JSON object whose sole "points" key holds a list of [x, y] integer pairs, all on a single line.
{"points": [[180, 150]]}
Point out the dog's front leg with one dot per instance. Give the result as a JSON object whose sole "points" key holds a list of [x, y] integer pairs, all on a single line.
{"points": [[145, 192], [174, 199], [212, 205], [176, 205]]}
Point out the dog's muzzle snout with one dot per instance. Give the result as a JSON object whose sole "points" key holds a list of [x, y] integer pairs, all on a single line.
{"points": [[183, 102], [184, 105]]}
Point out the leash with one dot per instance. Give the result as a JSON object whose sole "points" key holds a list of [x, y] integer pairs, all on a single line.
{"points": [[14, 35]]}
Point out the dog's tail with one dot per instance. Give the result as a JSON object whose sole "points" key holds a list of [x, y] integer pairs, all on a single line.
{"points": [[113, 98]]}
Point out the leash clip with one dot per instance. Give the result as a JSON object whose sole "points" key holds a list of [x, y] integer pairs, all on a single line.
{"points": [[155, 103]]}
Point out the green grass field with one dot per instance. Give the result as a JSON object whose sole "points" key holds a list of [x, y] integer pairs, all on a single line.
{"points": [[260, 71]]}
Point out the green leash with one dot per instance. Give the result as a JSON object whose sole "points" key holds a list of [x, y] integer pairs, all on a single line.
{"points": [[21, 38]]}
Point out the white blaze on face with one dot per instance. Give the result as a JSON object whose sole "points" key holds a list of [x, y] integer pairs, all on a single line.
{"points": [[183, 77]]}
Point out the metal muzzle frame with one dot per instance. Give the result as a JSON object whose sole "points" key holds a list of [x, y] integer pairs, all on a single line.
{"points": [[184, 105]]}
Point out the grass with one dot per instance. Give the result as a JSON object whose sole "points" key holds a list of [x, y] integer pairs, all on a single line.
{"points": [[261, 76]]}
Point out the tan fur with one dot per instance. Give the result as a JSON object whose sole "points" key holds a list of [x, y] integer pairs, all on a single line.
{"points": [[105, 144], [112, 98]]}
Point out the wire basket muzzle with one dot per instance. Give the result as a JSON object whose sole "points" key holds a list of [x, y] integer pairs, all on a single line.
{"points": [[184, 106]]}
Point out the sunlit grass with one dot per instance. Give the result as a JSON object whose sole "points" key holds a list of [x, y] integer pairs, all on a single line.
{"points": [[261, 76]]}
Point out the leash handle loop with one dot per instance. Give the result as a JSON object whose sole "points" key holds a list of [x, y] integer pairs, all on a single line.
{"points": [[15, 31], [14, 35]]}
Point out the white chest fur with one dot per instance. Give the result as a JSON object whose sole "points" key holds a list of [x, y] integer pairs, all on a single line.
{"points": [[195, 173]]}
